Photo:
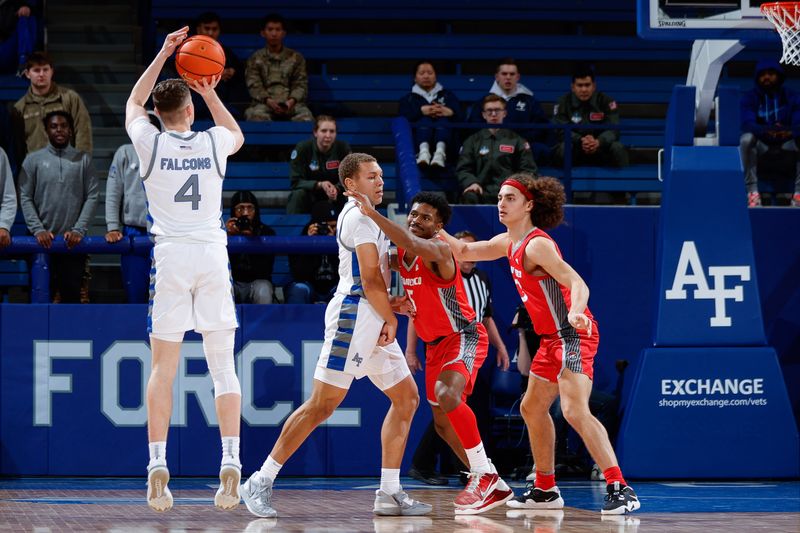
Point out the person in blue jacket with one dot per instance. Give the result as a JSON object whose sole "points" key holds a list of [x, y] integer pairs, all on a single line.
{"points": [[770, 122], [430, 106]]}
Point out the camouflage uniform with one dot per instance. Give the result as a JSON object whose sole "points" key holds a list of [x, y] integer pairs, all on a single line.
{"points": [[487, 159], [599, 109], [278, 76]]}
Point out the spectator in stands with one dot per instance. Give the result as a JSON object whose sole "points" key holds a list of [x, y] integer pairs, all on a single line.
{"points": [[586, 105], [431, 108], [276, 78], [58, 193], [17, 34], [314, 277], [8, 200], [126, 216], [314, 168], [491, 155], [521, 107], [45, 96], [231, 88], [252, 273], [770, 125]]}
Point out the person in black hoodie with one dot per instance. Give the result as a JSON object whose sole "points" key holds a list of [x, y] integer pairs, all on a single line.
{"points": [[315, 277], [770, 123], [430, 106], [252, 273]]}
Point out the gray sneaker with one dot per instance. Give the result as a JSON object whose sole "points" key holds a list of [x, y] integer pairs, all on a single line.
{"points": [[257, 496], [159, 498], [227, 496], [398, 504]]}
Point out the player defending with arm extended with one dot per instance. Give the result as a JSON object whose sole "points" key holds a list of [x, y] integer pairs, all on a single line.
{"points": [[182, 172], [457, 343], [360, 329], [556, 298]]}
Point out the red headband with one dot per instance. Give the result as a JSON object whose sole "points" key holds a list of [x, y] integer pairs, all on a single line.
{"points": [[519, 186]]}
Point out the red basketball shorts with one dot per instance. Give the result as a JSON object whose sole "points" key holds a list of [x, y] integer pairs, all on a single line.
{"points": [[463, 352], [573, 352]]}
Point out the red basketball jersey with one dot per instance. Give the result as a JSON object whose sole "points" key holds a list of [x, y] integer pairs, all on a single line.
{"points": [[546, 300], [442, 306]]}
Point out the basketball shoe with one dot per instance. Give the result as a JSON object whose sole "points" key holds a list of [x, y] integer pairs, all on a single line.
{"points": [[227, 496], [620, 499], [484, 491], [398, 504], [535, 498], [159, 498], [754, 199], [257, 496]]}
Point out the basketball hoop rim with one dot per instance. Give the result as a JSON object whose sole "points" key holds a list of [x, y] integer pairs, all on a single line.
{"points": [[778, 13]]}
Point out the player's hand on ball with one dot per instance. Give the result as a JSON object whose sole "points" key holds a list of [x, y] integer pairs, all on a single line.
{"points": [[173, 40], [205, 87], [388, 332], [580, 321]]}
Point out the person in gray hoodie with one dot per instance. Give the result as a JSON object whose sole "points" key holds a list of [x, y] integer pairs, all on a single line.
{"points": [[58, 194], [8, 200], [126, 216]]}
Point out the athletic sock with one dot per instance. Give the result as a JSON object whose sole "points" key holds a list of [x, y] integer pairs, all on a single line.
{"points": [[230, 450], [390, 480], [158, 452], [269, 470], [614, 474], [545, 481], [478, 461]]}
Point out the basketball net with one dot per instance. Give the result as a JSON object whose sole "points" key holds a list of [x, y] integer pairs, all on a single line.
{"points": [[786, 18]]}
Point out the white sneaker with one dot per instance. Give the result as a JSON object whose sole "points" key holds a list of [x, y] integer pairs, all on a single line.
{"points": [[438, 159], [423, 158], [227, 496], [159, 498]]}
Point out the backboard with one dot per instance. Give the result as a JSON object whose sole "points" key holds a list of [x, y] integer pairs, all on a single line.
{"points": [[679, 20]]}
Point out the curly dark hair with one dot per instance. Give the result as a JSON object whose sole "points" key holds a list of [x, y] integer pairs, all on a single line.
{"points": [[548, 199], [436, 201]]}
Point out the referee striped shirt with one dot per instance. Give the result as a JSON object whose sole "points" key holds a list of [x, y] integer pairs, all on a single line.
{"points": [[479, 293]]}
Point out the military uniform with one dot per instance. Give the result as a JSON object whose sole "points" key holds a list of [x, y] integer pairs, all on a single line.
{"points": [[488, 158], [278, 76], [307, 167], [599, 109]]}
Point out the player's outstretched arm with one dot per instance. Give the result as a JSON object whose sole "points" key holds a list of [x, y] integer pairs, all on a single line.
{"points": [[429, 249], [222, 117], [494, 248], [542, 252], [141, 91]]}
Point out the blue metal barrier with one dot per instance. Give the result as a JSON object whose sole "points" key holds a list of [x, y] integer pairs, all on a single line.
{"points": [[40, 265]]}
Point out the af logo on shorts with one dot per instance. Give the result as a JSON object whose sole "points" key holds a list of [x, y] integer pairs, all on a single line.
{"points": [[357, 359], [689, 260]]}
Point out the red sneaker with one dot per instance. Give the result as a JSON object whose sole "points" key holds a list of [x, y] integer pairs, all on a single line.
{"points": [[483, 492]]}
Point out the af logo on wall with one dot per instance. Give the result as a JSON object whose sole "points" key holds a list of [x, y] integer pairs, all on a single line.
{"points": [[690, 272]]}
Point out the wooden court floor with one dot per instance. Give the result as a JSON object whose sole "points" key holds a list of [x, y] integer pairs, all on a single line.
{"points": [[345, 505]]}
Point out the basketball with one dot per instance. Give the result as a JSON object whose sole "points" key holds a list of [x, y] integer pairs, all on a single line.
{"points": [[199, 57]]}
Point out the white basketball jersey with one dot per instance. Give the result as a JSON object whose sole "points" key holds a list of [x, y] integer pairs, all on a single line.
{"points": [[182, 174], [354, 229]]}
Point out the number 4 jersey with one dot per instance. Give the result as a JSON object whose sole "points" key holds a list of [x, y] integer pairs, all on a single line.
{"points": [[182, 174]]}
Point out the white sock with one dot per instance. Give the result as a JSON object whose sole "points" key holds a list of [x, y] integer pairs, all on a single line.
{"points": [[269, 470], [230, 450], [478, 461], [423, 147], [390, 480], [158, 452], [440, 147]]}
